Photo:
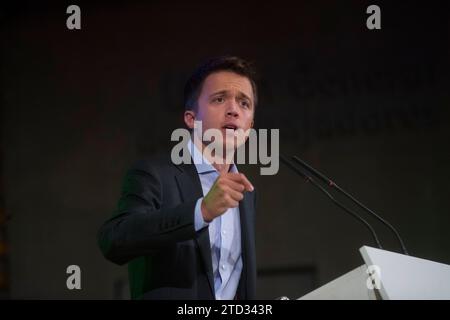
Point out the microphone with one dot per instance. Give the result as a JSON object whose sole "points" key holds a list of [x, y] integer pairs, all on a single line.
{"points": [[334, 186], [337, 203]]}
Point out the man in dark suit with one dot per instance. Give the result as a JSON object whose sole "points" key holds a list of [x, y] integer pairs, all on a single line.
{"points": [[187, 230]]}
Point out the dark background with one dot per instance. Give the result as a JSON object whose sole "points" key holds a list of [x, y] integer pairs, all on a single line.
{"points": [[369, 108]]}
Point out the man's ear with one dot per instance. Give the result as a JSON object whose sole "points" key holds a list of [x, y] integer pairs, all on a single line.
{"points": [[189, 118]]}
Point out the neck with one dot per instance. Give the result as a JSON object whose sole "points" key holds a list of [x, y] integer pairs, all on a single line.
{"points": [[220, 167]]}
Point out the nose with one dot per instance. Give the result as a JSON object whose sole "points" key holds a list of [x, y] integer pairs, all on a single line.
{"points": [[232, 109]]}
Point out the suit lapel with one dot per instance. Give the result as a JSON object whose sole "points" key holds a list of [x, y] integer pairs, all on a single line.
{"points": [[246, 236], [191, 188]]}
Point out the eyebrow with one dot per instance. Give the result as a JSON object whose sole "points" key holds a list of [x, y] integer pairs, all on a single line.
{"points": [[226, 91]]}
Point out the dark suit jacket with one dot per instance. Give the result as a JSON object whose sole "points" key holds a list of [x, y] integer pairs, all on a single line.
{"points": [[153, 231]]}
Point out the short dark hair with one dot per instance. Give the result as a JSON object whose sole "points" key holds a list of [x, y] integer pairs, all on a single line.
{"points": [[194, 84]]}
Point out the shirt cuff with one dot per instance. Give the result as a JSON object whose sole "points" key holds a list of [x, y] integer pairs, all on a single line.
{"points": [[200, 223]]}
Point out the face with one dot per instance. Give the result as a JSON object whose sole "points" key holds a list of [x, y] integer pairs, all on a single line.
{"points": [[226, 101]]}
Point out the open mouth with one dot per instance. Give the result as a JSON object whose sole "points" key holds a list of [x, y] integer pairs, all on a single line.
{"points": [[230, 126]]}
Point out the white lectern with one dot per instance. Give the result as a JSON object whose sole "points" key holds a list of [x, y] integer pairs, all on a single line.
{"points": [[388, 276]]}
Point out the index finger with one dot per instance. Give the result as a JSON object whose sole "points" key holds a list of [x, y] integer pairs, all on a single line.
{"points": [[241, 178]]}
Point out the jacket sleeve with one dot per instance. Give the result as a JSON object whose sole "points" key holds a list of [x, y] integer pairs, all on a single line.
{"points": [[140, 226]]}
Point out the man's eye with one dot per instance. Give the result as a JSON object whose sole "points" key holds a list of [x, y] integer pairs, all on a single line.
{"points": [[245, 104], [219, 99]]}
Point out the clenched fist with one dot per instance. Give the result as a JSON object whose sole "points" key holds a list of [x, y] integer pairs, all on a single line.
{"points": [[226, 192]]}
